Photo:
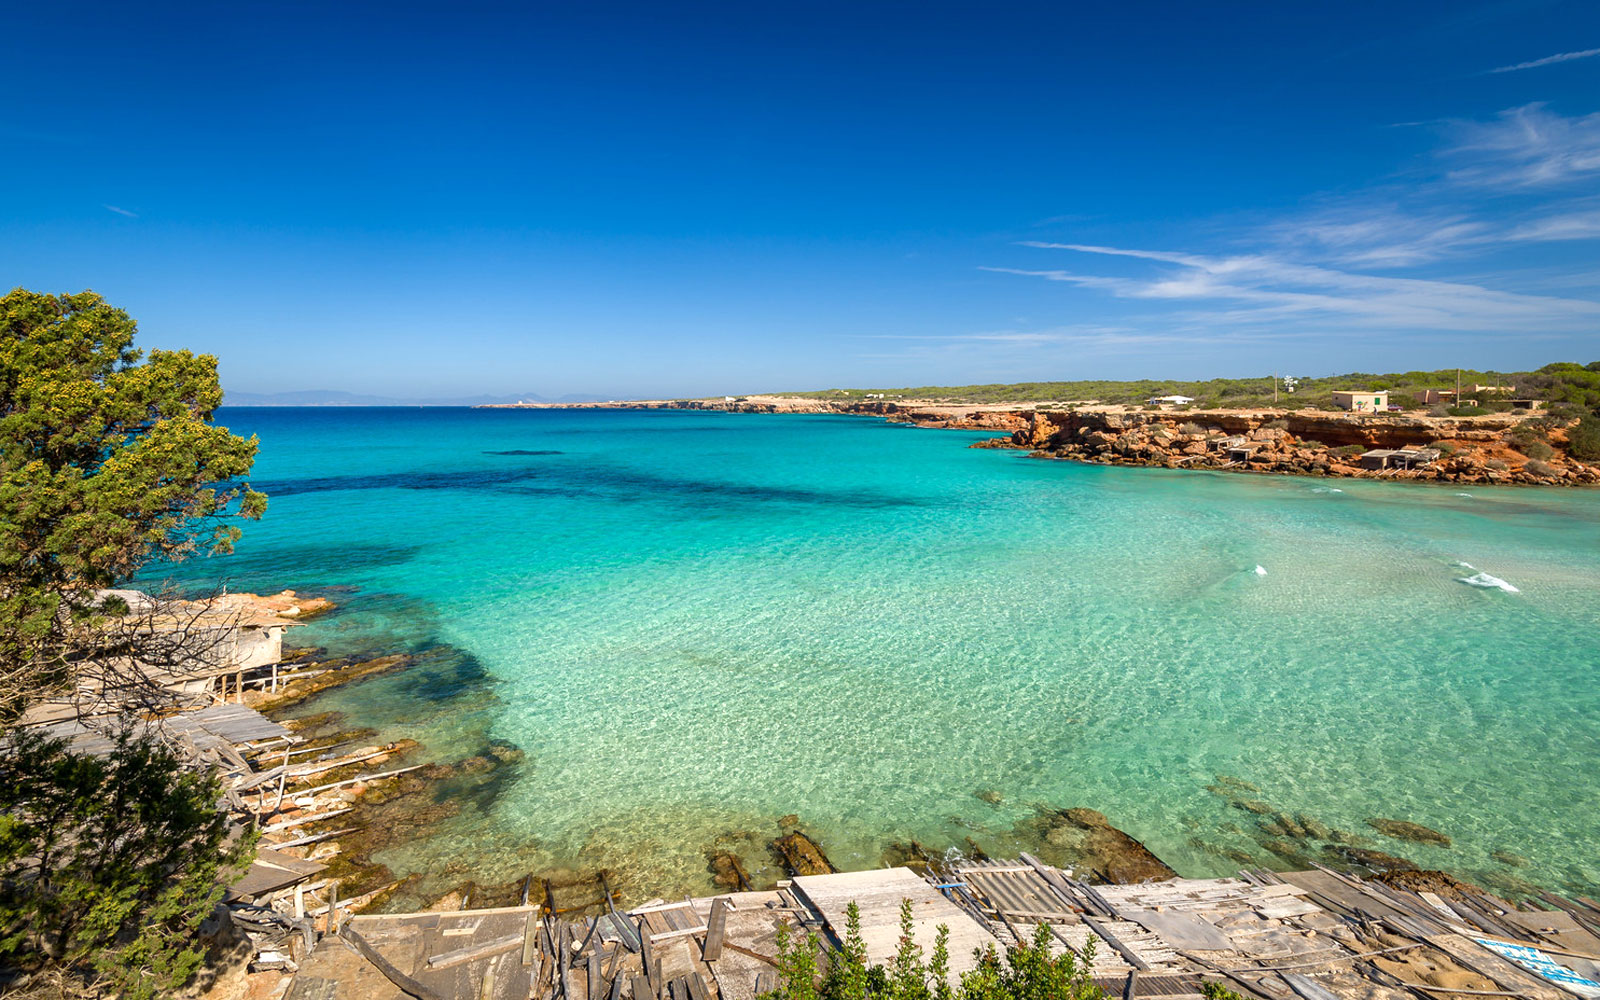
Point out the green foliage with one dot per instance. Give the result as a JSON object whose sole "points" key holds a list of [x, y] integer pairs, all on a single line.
{"points": [[1563, 381], [1349, 450], [1526, 433], [1539, 450], [108, 461], [1465, 411], [1537, 468], [1583, 440], [1216, 991], [1026, 972], [109, 864]]}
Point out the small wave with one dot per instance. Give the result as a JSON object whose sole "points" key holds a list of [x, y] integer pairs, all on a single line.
{"points": [[1261, 571], [1326, 489], [1467, 495], [1487, 582]]}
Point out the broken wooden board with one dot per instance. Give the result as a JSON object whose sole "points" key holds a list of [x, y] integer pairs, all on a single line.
{"points": [[878, 894]]}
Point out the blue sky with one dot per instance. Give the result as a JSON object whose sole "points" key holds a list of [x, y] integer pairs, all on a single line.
{"points": [[682, 199]]}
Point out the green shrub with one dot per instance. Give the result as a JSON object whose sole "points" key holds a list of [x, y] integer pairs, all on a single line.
{"points": [[1583, 441], [1349, 450], [1278, 425], [1446, 448], [1538, 450], [1526, 433], [1026, 972], [1535, 467], [1465, 411], [1496, 465], [1217, 991], [1191, 429], [109, 864]]}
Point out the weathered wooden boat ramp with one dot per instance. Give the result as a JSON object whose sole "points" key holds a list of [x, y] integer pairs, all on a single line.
{"points": [[1316, 935]]}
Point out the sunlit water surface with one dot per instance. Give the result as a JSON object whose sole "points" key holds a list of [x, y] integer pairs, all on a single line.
{"points": [[695, 623]]}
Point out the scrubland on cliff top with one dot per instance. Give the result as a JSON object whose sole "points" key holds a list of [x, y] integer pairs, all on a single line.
{"points": [[1561, 382]]}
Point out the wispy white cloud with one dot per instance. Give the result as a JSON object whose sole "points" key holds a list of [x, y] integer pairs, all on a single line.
{"points": [[1579, 225], [1262, 288], [1064, 343], [121, 211], [1526, 146], [1368, 233], [1559, 57], [1438, 252]]}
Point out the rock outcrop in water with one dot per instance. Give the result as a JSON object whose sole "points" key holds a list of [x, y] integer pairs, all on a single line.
{"points": [[1084, 840], [801, 855]]}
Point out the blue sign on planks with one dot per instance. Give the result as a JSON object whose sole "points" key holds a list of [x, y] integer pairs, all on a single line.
{"points": [[1538, 962]]}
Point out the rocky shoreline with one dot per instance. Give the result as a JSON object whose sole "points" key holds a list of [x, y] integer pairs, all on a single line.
{"points": [[1493, 449]]}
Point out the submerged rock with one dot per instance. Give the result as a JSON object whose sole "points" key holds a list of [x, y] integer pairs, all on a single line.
{"points": [[1085, 840], [1376, 861], [910, 854], [1508, 858], [332, 675], [1426, 880], [1401, 829], [727, 871], [800, 855], [988, 795]]}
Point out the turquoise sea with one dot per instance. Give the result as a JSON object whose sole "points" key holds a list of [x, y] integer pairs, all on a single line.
{"points": [[695, 623]]}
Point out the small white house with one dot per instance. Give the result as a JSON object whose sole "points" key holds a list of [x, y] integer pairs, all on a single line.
{"points": [[1169, 400], [1361, 400]]}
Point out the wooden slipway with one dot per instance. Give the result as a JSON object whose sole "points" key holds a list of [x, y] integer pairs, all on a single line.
{"points": [[878, 895]]}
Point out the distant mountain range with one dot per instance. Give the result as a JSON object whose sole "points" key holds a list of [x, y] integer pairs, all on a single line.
{"points": [[337, 397]]}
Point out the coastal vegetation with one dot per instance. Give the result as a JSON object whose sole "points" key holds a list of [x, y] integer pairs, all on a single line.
{"points": [[109, 461], [1026, 971], [1570, 385]]}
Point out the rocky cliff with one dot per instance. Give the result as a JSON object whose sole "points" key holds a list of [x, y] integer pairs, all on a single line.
{"points": [[1470, 449]]}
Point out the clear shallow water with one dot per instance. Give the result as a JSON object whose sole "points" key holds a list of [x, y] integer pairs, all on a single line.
{"points": [[695, 623]]}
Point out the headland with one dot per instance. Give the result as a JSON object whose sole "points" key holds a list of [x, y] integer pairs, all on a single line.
{"points": [[1519, 446]]}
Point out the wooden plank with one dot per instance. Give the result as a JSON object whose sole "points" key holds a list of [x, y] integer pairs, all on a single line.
{"points": [[878, 894], [410, 987], [1121, 948], [530, 938], [472, 953], [697, 987], [675, 934], [641, 988], [716, 929], [303, 820]]}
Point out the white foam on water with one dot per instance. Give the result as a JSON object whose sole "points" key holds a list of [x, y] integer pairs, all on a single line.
{"points": [[1467, 495], [1487, 582], [1261, 571], [1326, 489]]}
